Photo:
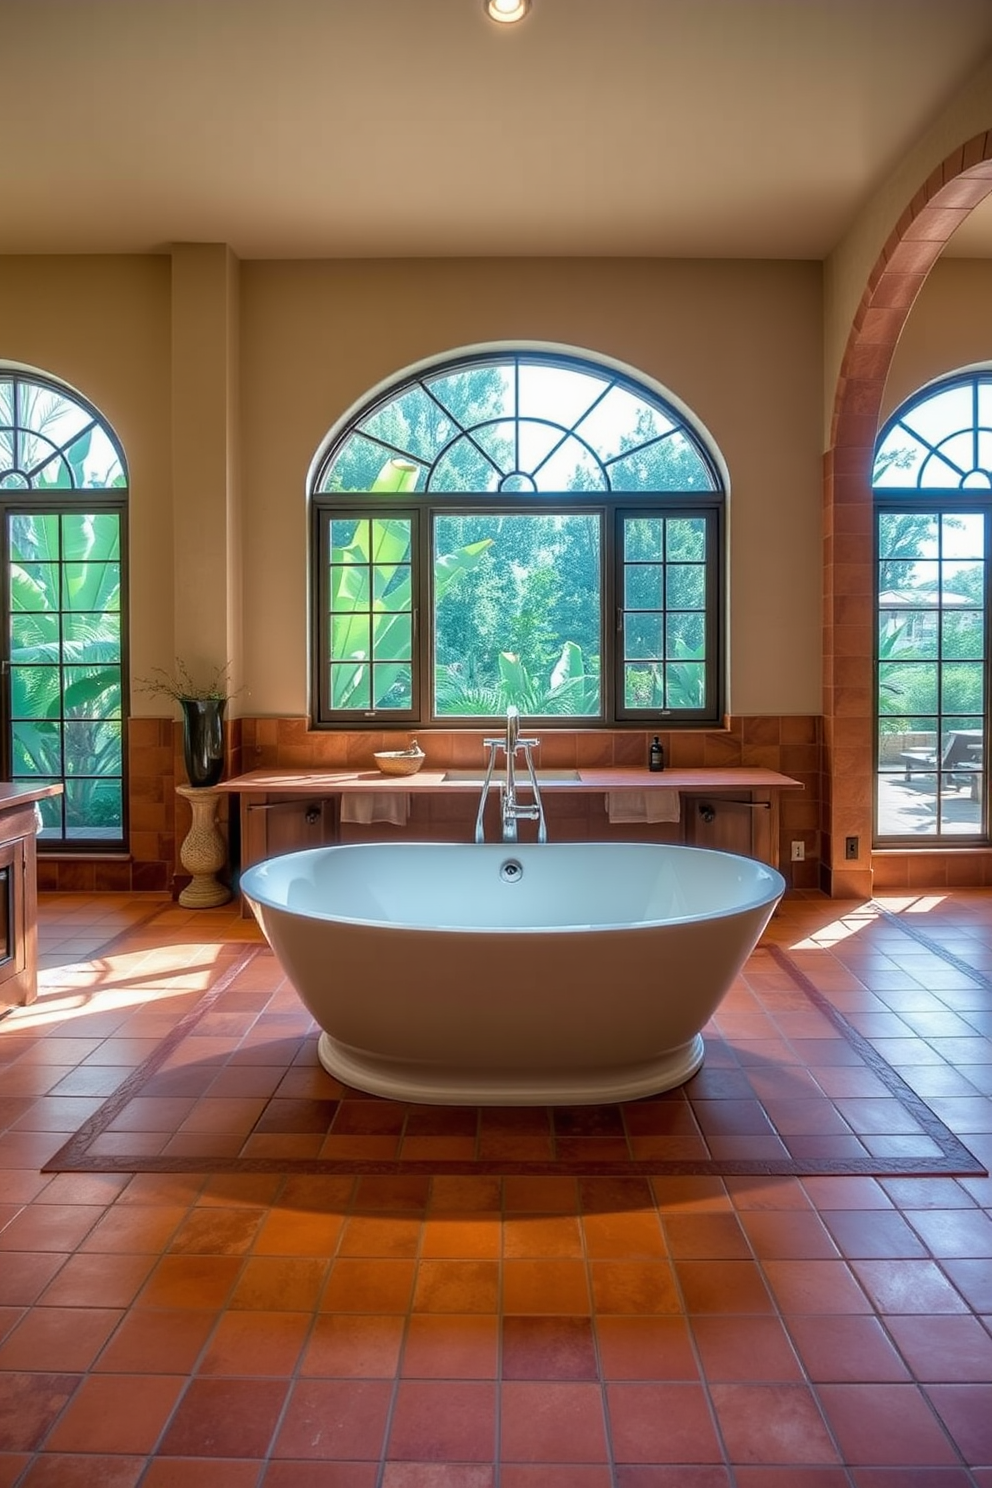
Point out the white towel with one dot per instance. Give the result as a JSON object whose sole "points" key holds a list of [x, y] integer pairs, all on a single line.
{"points": [[375, 806], [643, 806]]}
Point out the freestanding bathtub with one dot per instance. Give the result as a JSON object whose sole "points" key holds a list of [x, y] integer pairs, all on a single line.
{"points": [[512, 974]]}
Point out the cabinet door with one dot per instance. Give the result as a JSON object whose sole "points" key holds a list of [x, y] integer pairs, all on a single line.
{"points": [[717, 822], [13, 940], [274, 827]]}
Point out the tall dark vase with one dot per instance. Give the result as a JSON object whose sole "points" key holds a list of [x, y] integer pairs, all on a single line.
{"points": [[203, 739]]}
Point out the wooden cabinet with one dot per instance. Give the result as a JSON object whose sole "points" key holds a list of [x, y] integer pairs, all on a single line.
{"points": [[280, 824], [745, 823], [19, 892]]}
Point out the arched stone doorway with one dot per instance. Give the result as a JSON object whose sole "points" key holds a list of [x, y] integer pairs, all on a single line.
{"points": [[951, 191]]}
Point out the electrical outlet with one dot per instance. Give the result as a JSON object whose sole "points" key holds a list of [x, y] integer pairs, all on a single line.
{"points": [[850, 848], [799, 852]]}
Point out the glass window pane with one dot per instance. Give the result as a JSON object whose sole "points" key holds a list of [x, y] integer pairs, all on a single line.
{"points": [[34, 537], [685, 636], [963, 635], [908, 687], [672, 464], [349, 540], [643, 538], [643, 637], [91, 692], [37, 748], [478, 393], [392, 638], [92, 747], [464, 467], [644, 685], [620, 422], [93, 808], [962, 687], [350, 589], [905, 635], [685, 685], [392, 686], [51, 813], [96, 536], [350, 637], [414, 423], [686, 586], [34, 586], [350, 686], [34, 691], [517, 614], [571, 468], [644, 586], [686, 539], [564, 394], [91, 586], [34, 637]]}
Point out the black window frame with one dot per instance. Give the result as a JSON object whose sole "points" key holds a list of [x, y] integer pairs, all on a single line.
{"points": [[610, 506]]}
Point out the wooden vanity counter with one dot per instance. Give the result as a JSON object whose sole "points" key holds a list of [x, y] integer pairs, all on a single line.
{"points": [[744, 815]]}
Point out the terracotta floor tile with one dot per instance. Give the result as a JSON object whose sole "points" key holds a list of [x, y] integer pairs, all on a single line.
{"points": [[954, 1232], [29, 1404], [98, 1280], [863, 1233], [288, 1232], [542, 1236], [383, 1235], [359, 1345], [211, 1231], [437, 1475], [908, 1286], [135, 1227], [64, 1338], [64, 1470], [453, 1421], [369, 1286], [24, 1276], [771, 1423], [639, 1287], [190, 1281], [192, 1472], [815, 1286], [540, 1195], [456, 1286], [58, 1227], [279, 1283], [255, 1343], [660, 1423], [890, 1425], [225, 1418], [318, 1475], [548, 1348], [450, 1346], [544, 1475], [624, 1235], [335, 1420], [457, 1191], [461, 1235], [645, 1348], [548, 1286], [705, 1236], [941, 1349], [964, 1411], [722, 1287], [846, 1348], [552, 1422], [115, 1413], [150, 1340], [745, 1348]]}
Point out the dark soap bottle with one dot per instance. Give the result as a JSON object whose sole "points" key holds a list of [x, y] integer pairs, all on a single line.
{"points": [[656, 755]]}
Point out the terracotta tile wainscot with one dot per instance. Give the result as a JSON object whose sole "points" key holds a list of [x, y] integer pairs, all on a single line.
{"points": [[735, 808]]}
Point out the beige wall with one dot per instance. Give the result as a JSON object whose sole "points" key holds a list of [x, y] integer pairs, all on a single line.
{"points": [[950, 328], [739, 343]]}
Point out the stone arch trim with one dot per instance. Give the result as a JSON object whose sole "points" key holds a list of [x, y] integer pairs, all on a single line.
{"points": [[942, 203]]}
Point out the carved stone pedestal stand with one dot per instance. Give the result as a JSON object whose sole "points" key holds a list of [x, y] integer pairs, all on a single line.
{"points": [[202, 853]]}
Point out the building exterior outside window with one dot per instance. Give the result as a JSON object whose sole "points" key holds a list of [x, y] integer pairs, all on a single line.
{"points": [[63, 507], [933, 505], [526, 527]]}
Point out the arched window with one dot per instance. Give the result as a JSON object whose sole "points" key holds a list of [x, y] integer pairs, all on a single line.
{"points": [[63, 498], [517, 527], [933, 505]]}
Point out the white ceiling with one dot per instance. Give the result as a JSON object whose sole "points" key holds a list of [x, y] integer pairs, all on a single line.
{"points": [[392, 128]]}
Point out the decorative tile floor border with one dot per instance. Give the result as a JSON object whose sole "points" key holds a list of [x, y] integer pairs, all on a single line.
{"points": [[719, 1124]]}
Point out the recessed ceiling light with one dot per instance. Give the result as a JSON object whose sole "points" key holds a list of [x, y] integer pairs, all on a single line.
{"points": [[506, 11]]}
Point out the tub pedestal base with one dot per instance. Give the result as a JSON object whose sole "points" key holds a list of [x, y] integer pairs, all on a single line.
{"points": [[434, 1085]]}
